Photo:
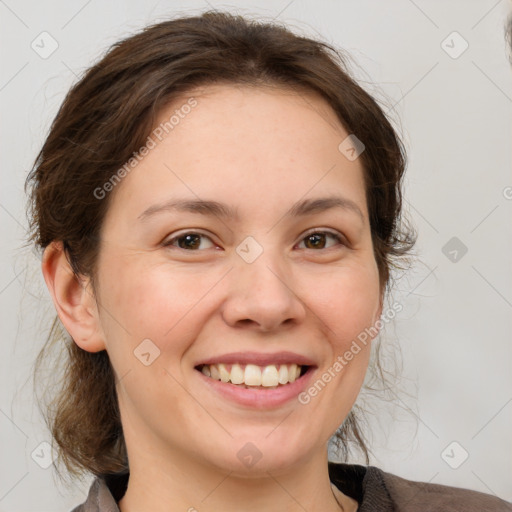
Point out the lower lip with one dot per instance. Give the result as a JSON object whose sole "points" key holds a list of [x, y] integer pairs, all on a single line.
{"points": [[259, 398]]}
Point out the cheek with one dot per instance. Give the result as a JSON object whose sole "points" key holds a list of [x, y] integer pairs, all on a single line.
{"points": [[347, 302], [151, 301], [169, 304]]}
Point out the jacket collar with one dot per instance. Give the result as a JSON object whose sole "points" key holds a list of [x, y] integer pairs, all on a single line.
{"points": [[364, 484]]}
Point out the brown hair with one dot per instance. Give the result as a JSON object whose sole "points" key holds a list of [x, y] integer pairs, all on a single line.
{"points": [[109, 114]]}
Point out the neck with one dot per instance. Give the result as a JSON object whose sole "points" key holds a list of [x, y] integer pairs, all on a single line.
{"points": [[185, 484]]}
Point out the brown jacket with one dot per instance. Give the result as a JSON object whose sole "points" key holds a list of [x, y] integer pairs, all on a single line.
{"points": [[374, 489]]}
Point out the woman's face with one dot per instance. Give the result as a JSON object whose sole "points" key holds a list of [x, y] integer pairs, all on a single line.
{"points": [[257, 277]]}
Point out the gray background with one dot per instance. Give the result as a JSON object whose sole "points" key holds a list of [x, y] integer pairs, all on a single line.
{"points": [[454, 113]]}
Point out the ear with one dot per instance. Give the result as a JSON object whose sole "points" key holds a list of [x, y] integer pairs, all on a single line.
{"points": [[73, 299]]}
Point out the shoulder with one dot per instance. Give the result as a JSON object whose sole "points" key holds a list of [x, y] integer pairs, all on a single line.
{"points": [[104, 493], [410, 495], [376, 489]]}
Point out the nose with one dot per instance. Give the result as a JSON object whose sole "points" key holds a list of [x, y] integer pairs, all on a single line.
{"points": [[262, 297]]}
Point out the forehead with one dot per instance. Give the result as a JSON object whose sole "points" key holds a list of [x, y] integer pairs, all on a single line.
{"points": [[224, 107], [248, 145]]}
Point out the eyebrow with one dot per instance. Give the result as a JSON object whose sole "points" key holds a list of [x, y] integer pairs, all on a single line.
{"points": [[214, 208]]}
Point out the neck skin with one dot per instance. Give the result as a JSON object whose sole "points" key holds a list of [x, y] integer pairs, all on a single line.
{"points": [[180, 482]]}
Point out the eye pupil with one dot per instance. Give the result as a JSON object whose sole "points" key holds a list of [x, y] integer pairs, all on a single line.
{"points": [[316, 237], [188, 238]]}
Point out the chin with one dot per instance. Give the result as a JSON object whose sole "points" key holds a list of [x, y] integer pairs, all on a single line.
{"points": [[258, 455]]}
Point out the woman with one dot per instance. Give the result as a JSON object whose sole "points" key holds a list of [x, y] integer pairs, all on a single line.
{"points": [[219, 207]]}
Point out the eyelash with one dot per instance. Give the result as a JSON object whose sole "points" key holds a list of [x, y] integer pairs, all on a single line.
{"points": [[338, 237]]}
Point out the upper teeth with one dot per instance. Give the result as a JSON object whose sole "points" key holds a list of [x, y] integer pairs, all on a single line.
{"points": [[253, 375]]}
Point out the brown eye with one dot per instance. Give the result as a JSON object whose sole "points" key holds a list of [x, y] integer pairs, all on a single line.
{"points": [[187, 241], [317, 239]]}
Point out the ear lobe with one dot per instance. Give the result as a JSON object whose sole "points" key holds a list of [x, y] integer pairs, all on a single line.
{"points": [[73, 299]]}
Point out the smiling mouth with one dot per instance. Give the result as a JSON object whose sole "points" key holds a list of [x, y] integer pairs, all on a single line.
{"points": [[251, 376]]}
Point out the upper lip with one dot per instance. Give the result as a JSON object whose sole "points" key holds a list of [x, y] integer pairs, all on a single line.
{"points": [[259, 359]]}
